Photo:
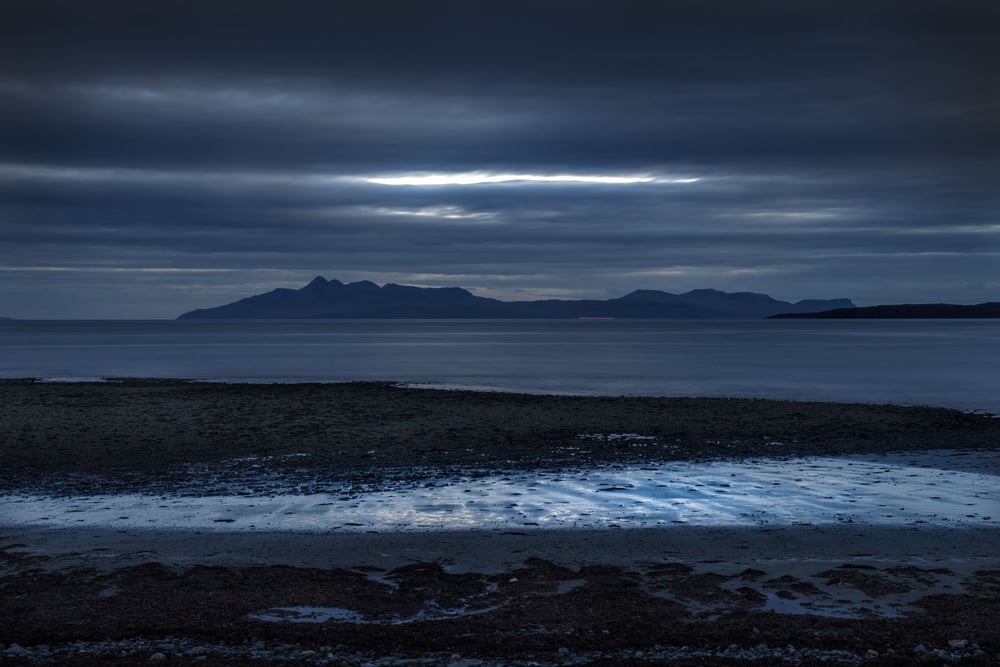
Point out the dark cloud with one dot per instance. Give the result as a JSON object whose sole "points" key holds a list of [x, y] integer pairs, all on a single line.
{"points": [[201, 151], [514, 41]]}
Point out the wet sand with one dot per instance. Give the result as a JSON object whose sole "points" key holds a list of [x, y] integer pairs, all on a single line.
{"points": [[497, 551], [691, 595]]}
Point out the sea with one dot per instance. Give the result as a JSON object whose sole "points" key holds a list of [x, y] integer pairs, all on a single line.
{"points": [[950, 363]]}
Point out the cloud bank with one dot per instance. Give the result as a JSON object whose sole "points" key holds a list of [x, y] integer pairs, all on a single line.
{"points": [[158, 157]]}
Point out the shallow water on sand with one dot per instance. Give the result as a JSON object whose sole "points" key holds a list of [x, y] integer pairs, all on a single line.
{"points": [[927, 489]]}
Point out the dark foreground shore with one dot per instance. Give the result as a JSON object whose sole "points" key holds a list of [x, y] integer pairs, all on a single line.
{"points": [[131, 432], [801, 594]]}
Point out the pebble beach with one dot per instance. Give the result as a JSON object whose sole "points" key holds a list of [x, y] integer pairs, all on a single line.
{"points": [[684, 569]]}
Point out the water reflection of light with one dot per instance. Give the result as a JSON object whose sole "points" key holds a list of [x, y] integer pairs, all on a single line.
{"points": [[760, 492]]}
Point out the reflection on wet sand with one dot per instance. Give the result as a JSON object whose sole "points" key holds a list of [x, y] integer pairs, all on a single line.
{"points": [[917, 489]]}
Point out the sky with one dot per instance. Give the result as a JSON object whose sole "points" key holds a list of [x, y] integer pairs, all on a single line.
{"points": [[157, 157]]}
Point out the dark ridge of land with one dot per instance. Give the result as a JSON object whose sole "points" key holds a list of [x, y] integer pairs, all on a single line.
{"points": [[147, 429], [986, 310], [324, 299]]}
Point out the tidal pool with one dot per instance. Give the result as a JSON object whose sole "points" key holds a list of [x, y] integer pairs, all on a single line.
{"points": [[936, 489]]}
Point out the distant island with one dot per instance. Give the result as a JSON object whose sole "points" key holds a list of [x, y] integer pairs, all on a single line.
{"points": [[332, 299], [904, 311]]}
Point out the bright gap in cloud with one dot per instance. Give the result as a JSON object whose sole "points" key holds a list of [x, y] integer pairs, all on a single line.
{"points": [[439, 212], [479, 177]]}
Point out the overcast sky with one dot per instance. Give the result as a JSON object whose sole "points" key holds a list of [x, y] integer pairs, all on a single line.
{"points": [[157, 157]]}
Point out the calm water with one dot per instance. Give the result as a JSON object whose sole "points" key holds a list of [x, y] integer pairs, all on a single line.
{"points": [[937, 362]]}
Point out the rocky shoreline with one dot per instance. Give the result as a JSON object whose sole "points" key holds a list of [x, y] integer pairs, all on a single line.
{"points": [[875, 609], [115, 436], [805, 595], [170, 650]]}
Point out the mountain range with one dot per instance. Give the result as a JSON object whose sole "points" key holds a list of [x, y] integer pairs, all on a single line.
{"points": [[333, 299]]}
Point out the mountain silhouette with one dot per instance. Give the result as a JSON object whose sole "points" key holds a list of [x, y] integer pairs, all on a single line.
{"points": [[323, 298]]}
